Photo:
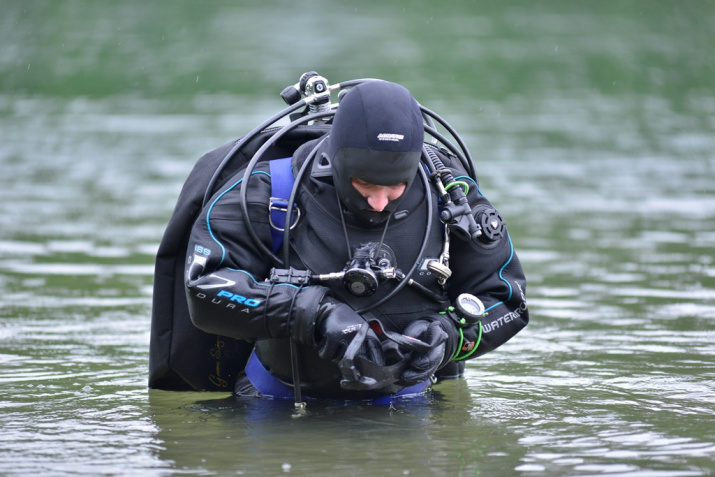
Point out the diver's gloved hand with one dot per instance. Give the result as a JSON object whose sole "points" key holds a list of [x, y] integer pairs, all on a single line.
{"points": [[423, 363], [346, 338], [343, 336], [331, 327], [341, 330]]}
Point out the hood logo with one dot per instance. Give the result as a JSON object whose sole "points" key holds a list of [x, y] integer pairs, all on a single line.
{"points": [[390, 137]]}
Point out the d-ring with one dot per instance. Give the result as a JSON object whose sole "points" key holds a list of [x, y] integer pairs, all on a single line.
{"points": [[281, 206]]}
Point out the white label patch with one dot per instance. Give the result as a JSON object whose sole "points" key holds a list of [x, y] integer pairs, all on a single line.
{"points": [[390, 137]]}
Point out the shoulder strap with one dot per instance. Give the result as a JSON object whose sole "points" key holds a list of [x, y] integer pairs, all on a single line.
{"points": [[281, 186]]}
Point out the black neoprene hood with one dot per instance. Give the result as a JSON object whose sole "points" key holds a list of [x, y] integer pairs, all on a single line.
{"points": [[377, 136]]}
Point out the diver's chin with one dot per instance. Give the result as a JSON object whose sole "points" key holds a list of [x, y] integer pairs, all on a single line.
{"points": [[372, 217]]}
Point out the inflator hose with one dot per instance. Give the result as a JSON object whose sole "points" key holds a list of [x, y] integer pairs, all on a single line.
{"points": [[242, 142]]}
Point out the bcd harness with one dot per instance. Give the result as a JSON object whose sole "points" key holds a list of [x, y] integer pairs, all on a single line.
{"points": [[281, 184]]}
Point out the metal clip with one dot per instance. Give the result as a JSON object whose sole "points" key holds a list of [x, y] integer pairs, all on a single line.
{"points": [[281, 205], [441, 267]]}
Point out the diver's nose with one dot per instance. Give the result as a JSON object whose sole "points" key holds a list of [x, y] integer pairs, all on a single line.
{"points": [[378, 200]]}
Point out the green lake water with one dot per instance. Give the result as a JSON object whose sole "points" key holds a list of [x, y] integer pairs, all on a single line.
{"points": [[592, 126]]}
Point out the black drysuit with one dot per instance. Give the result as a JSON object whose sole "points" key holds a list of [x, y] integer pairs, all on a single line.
{"points": [[229, 297]]}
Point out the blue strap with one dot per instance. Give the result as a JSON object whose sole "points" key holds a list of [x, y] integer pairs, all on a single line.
{"points": [[271, 387], [264, 382], [281, 186]]}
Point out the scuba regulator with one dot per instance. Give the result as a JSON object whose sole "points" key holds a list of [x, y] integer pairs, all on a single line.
{"points": [[371, 263], [310, 85]]}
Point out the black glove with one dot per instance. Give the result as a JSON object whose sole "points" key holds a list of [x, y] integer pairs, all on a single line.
{"points": [[342, 331], [344, 337], [423, 363]]}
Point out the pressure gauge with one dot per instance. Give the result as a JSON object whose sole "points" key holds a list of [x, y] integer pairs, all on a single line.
{"points": [[470, 308]]}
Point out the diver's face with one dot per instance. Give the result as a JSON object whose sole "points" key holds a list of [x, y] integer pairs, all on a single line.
{"points": [[378, 196]]}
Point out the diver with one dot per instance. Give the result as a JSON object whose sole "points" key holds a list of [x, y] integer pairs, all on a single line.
{"points": [[396, 268]]}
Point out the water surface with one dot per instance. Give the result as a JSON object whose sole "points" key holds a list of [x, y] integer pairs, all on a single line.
{"points": [[592, 129]]}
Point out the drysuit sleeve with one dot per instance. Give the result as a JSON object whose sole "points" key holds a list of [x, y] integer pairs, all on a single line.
{"points": [[225, 269], [489, 269]]}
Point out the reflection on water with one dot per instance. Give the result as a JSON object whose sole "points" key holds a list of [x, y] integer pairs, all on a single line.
{"points": [[266, 436], [592, 130]]}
